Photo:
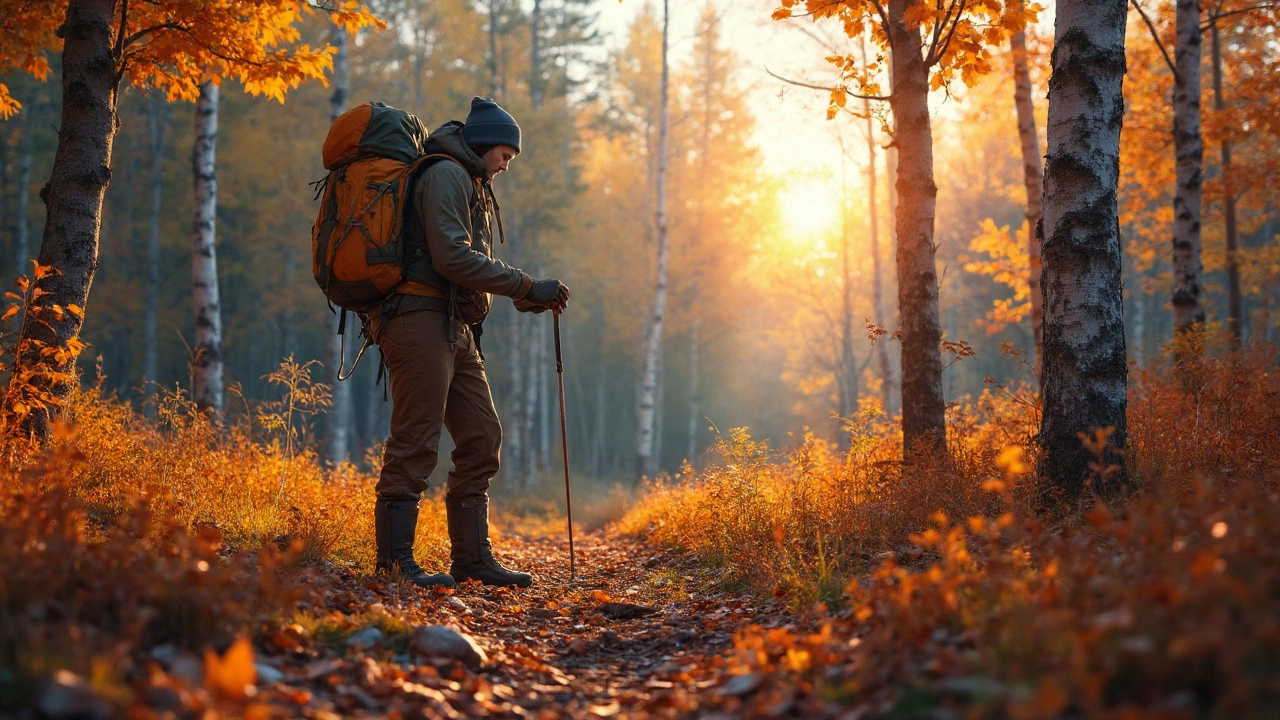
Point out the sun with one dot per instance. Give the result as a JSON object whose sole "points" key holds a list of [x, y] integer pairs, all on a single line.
{"points": [[809, 209]]}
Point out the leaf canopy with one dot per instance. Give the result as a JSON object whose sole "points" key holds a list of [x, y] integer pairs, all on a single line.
{"points": [[175, 45]]}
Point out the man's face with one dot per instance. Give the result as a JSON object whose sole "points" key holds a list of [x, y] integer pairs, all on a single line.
{"points": [[497, 160]]}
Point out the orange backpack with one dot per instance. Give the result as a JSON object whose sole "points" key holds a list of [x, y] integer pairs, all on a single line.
{"points": [[373, 153]]}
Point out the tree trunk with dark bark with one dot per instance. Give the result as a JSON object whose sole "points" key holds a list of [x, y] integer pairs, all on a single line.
{"points": [[73, 200], [923, 407], [1188, 311], [1084, 370], [206, 351], [1033, 179]]}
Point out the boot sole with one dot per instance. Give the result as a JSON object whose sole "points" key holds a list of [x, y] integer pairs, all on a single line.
{"points": [[460, 580]]}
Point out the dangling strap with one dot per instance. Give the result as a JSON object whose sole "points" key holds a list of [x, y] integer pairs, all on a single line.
{"points": [[497, 213], [342, 352]]}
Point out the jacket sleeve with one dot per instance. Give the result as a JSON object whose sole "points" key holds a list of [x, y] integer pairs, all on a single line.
{"points": [[441, 203]]}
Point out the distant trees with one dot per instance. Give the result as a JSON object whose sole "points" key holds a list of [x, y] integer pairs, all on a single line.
{"points": [[927, 46], [101, 47]]}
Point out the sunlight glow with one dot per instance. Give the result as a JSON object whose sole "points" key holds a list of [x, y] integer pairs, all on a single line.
{"points": [[809, 209]]}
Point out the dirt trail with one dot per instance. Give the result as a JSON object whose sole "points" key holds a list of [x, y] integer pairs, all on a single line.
{"points": [[640, 633]]}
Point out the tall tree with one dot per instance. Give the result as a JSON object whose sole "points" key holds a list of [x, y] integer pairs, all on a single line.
{"points": [[206, 360], [645, 458], [930, 45], [1033, 179], [337, 448], [923, 406], [1084, 370], [1188, 311], [104, 42]]}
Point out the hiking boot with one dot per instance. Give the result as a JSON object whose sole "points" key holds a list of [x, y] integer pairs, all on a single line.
{"points": [[395, 522], [472, 553]]}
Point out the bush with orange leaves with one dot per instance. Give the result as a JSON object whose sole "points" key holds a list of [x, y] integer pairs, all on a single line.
{"points": [[127, 531], [1162, 604]]}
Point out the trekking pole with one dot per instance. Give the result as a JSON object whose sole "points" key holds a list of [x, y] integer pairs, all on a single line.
{"points": [[564, 440]]}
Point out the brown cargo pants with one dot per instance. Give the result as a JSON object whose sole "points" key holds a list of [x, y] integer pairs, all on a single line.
{"points": [[433, 385]]}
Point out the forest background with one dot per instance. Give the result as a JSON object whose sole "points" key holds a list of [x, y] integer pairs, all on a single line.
{"points": [[775, 216]]}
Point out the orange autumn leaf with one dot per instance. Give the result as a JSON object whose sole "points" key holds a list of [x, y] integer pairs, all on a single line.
{"points": [[233, 673]]}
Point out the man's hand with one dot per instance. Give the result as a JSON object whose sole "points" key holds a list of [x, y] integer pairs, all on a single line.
{"points": [[545, 295]]}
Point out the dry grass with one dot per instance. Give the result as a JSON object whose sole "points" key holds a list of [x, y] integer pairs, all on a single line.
{"points": [[950, 589], [807, 521], [126, 532]]}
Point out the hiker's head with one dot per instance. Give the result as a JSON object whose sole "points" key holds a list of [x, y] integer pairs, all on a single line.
{"points": [[493, 134]]}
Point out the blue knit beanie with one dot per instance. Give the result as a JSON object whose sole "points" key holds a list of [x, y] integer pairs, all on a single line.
{"points": [[489, 125]]}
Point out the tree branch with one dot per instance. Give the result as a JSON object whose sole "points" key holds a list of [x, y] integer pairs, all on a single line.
{"points": [[1219, 15], [1155, 36], [936, 52], [797, 83]]}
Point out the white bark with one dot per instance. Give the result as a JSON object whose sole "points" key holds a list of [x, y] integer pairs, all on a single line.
{"points": [[206, 363], [1083, 372], [1189, 154], [338, 430], [645, 460]]}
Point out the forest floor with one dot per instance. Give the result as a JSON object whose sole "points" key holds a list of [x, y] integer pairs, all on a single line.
{"points": [[638, 632]]}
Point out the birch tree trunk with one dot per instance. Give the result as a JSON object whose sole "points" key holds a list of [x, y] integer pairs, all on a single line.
{"points": [[1083, 373], [338, 429], [645, 460], [923, 407], [23, 251], [1189, 154], [1033, 179], [206, 360], [158, 120], [1235, 315], [73, 200]]}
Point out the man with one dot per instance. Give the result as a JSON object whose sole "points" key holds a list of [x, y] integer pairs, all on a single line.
{"points": [[429, 335]]}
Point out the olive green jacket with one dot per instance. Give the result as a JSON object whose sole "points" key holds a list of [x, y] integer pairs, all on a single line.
{"points": [[449, 233]]}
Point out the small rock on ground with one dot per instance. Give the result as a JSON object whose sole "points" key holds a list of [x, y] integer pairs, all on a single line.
{"points": [[440, 641]]}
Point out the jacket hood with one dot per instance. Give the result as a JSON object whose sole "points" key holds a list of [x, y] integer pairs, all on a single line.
{"points": [[448, 139]]}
